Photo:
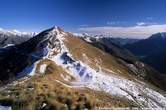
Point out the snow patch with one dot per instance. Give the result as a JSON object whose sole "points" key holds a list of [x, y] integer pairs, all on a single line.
{"points": [[124, 88], [76, 69], [66, 77], [43, 105], [5, 107], [87, 39], [8, 45], [43, 68]]}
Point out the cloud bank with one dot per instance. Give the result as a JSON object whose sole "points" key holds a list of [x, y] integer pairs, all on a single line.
{"points": [[139, 31]]}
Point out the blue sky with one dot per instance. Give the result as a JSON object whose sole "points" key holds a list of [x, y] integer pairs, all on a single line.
{"points": [[92, 16]]}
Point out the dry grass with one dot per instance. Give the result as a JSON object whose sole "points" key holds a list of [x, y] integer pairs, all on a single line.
{"points": [[95, 57], [39, 89]]}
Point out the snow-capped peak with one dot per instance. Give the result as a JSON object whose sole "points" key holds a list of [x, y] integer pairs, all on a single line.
{"points": [[57, 29], [16, 32]]}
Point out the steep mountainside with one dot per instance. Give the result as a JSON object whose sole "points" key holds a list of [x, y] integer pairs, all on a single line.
{"points": [[151, 51], [57, 70], [110, 46], [127, 59], [157, 60]]}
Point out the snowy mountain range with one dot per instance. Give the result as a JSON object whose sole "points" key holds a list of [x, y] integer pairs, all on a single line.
{"points": [[56, 70], [14, 37]]}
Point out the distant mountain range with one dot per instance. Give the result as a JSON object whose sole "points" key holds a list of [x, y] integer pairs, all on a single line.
{"points": [[13, 37], [118, 41], [123, 41], [151, 50]]}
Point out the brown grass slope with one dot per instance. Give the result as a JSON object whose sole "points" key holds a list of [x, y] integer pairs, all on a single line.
{"points": [[44, 89], [96, 58]]}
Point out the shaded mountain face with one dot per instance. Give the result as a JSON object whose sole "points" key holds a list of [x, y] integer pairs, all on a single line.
{"points": [[57, 69], [157, 61], [151, 51], [13, 37], [109, 45], [18, 57], [123, 41]]}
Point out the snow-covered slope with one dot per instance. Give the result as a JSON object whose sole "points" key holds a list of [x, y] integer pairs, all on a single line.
{"points": [[90, 67]]}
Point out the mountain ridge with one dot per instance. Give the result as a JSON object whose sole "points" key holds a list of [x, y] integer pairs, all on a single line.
{"points": [[57, 57]]}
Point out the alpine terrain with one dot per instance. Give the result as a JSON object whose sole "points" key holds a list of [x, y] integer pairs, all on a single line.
{"points": [[151, 50], [57, 70], [10, 37]]}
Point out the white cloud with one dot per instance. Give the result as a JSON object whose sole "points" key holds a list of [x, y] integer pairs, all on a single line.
{"points": [[138, 31], [145, 23], [141, 23]]}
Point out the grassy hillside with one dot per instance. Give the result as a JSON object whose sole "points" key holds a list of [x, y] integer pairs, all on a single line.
{"points": [[100, 60], [41, 90]]}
